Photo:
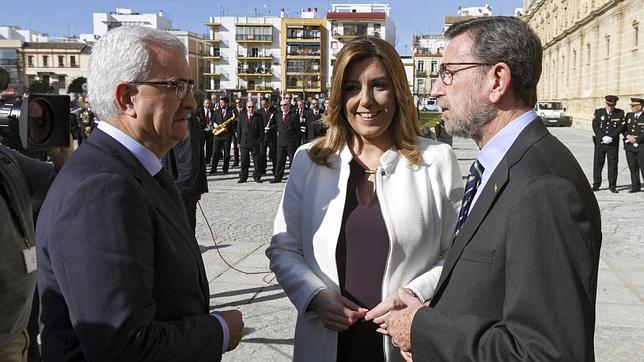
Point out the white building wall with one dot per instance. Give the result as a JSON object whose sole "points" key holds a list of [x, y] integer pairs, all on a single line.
{"points": [[103, 22]]}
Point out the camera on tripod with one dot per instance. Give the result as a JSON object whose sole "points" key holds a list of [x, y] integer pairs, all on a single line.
{"points": [[41, 122]]}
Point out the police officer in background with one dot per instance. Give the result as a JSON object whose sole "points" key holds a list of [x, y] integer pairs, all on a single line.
{"points": [[633, 143], [608, 124]]}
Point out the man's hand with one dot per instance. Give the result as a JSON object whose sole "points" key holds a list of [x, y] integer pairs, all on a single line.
{"points": [[336, 312], [631, 139], [391, 303], [397, 324], [60, 154], [235, 324]]}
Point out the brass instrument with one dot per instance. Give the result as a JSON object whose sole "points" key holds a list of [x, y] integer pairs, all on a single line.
{"points": [[222, 127]]}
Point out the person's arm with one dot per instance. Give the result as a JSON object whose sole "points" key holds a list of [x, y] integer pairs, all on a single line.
{"points": [[108, 278], [550, 281], [39, 176], [285, 251], [596, 121], [619, 129]]}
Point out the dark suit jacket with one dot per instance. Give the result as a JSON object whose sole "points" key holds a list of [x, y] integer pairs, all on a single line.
{"points": [[269, 121], [635, 128], [314, 126], [604, 125], [120, 274], [288, 133], [520, 281], [250, 134], [200, 113], [219, 118], [186, 162]]}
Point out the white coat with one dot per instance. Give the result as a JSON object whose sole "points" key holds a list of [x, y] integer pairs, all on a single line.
{"points": [[419, 205]]}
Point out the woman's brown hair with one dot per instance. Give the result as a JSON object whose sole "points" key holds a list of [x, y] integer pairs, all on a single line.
{"points": [[404, 126]]}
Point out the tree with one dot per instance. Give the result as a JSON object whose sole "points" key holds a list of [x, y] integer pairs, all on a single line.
{"points": [[76, 86], [40, 86]]}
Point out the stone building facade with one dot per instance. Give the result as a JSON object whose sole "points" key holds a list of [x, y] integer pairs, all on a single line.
{"points": [[591, 48]]}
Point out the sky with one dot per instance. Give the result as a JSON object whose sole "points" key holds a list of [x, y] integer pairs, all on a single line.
{"points": [[72, 17]]}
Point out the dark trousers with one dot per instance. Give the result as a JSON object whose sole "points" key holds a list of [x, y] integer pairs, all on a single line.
{"points": [[190, 204], [601, 154], [207, 141], [634, 166], [235, 151], [246, 154], [220, 146], [282, 153], [268, 149]]}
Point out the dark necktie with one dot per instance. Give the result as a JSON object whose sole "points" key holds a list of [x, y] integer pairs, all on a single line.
{"points": [[284, 119], [472, 184], [167, 184]]}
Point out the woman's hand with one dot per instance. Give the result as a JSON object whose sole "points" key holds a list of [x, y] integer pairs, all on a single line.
{"points": [[336, 312]]}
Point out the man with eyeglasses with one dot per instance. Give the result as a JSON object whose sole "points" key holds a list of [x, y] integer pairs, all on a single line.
{"points": [[250, 128], [287, 125], [120, 274], [519, 281]]}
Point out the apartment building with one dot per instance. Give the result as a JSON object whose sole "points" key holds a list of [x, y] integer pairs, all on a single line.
{"points": [[303, 48], [56, 63], [427, 53], [244, 55], [348, 21]]}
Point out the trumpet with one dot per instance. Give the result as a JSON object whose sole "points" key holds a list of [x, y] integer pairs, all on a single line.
{"points": [[222, 127]]}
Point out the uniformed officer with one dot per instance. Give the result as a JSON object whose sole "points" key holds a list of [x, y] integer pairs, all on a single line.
{"points": [[608, 123], [633, 143]]}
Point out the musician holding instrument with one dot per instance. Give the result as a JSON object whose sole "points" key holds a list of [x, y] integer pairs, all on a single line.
{"points": [[223, 128]]}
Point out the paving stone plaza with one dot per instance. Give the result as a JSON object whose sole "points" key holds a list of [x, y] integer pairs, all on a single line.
{"points": [[241, 218]]}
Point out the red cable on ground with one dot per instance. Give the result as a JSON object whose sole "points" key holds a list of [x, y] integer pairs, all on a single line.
{"points": [[212, 234]]}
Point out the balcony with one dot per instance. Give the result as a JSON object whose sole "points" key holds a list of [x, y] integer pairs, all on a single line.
{"points": [[212, 74], [254, 38], [255, 72], [215, 39], [212, 57], [258, 57], [421, 73]]}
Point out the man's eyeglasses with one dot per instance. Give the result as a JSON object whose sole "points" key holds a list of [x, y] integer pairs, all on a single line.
{"points": [[284, 105], [181, 86], [447, 76]]}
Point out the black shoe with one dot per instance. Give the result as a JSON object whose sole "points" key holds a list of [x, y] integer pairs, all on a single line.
{"points": [[275, 181], [633, 191], [258, 181], [595, 188], [613, 190], [240, 181]]}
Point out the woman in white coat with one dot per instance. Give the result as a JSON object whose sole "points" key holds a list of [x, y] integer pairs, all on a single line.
{"points": [[368, 209]]}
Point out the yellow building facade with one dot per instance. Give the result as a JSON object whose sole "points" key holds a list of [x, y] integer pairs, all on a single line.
{"points": [[304, 55], [591, 48]]}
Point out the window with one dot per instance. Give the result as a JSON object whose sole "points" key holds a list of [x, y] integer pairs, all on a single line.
{"points": [[607, 37], [72, 61], [254, 52], [421, 65], [61, 81], [334, 45], [420, 89], [30, 60], [45, 61], [434, 67], [61, 61], [636, 34]]}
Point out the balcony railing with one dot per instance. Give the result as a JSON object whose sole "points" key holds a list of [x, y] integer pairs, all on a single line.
{"points": [[253, 37]]}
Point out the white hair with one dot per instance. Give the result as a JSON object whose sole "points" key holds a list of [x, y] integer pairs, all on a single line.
{"points": [[122, 55]]}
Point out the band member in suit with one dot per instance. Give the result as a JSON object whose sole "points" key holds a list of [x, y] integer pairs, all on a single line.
{"points": [[127, 281], [205, 115], [239, 108], [187, 165], [304, 115], [250, 128], [608, 124], [520, 279], [315, 128], [633, 143], [268, 147], [221, 143], [287, 125]]}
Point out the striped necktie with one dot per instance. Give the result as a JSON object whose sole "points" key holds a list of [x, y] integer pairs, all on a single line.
{"points": [[472, 184]]}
